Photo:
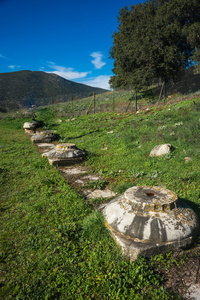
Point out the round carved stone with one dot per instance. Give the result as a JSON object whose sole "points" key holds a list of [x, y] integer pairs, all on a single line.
{"points": [[150, 199], [149, 220], [30, 127], [65, 147], [46, 136], [65, 154]]}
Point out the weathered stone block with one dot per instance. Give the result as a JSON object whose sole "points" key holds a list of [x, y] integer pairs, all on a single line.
{"points": [[65, 154], [150, 220], [31, 125], [46, 136]]}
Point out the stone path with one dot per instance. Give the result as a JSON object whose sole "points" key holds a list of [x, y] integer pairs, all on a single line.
{"points": [[78, 176]]}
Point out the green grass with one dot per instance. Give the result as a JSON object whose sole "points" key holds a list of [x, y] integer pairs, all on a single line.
{"points": [[118, 147], [116, 101], [53, 245]]}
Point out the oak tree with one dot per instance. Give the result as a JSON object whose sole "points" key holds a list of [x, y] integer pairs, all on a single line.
{"points": [[155, 39]]}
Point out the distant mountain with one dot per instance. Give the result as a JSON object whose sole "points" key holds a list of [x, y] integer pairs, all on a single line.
{"points": [[26, 88]]}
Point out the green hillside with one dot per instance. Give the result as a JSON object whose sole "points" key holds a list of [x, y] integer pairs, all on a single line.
{"points": [[54, 244], [25, 88]]}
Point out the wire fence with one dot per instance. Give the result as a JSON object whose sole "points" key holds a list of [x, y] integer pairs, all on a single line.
{"points": [[127, 101]]}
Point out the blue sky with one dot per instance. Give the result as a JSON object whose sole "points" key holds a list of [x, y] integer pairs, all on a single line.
{"points": [[69, 38]]}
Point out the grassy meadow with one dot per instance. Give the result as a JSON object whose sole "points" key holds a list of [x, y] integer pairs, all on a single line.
{"points": [[54, 245]]}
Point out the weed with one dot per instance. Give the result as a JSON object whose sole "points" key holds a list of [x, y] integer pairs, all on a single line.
{"points": [[153, 174], [122, 187], [97, 184], [167, 260], [136, 174]]}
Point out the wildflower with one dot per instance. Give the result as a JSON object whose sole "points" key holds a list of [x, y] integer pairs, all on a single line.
{"points": [[178, 124], [162, 127]]}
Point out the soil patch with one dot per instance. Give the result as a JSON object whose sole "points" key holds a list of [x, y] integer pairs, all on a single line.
{"points": [[182, 278]]}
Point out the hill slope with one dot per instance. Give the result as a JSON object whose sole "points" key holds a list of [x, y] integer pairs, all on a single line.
{"points": [[59, 244], [25, 88]]}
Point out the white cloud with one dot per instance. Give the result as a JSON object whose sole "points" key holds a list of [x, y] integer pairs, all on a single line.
{"points": [[97, 62], [101, 81], [12, 67], [67, 73]]}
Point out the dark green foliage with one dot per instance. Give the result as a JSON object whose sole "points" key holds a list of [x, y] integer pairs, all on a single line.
{"points": [[99, 184], [46, 116], [155, 39], [122, 187]]}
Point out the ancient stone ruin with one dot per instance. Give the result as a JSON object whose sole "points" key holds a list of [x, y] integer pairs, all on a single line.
{"points": [[30, 127], [144, 220], [45, 136], [150, 220], [65, 154]]}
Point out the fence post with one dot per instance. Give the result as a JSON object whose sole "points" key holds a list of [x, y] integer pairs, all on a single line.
{"points": [[165, 92], [113, 102], [135, 101], [160, 93], [94, 101]]}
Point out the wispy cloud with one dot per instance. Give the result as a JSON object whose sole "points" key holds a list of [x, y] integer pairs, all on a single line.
{"points": [[67, 73], [97, 62], [4, 57], [101, 81]]}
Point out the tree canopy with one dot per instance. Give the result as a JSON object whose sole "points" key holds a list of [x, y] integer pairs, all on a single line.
{"points": [[155, 39]]}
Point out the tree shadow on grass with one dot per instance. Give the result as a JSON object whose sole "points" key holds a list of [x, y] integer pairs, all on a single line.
{"points": [[82, 135]]}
